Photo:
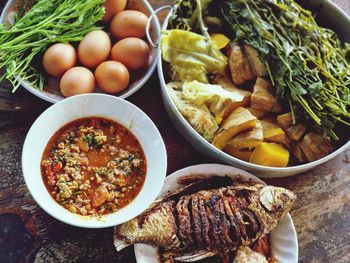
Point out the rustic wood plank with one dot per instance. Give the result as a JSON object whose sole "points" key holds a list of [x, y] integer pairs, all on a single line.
{"points": [[28, 234]]}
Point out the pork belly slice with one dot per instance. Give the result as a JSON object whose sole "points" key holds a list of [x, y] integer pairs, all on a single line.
{"points": [[256, 65], [240, 67]]}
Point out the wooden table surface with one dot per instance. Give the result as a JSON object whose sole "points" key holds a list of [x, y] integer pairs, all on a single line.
{"points": [[27, 234]]}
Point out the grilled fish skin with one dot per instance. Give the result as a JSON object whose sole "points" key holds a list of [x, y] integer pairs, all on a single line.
{"points": [[215, 220]]}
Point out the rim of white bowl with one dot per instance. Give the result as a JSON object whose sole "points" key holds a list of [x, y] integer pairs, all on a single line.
{"points": [[87, 221]]}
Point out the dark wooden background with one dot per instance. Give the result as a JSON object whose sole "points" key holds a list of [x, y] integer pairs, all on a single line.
{"points": [[27, 234]]}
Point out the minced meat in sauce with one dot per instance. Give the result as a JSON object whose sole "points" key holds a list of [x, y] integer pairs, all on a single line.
{"points": [[93, 166]]}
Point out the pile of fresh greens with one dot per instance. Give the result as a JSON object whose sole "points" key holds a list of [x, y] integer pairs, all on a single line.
{"points": [[47, 22], [307, 64]]}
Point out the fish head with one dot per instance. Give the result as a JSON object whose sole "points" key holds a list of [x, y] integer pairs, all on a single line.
{"points": [[277, 200]]}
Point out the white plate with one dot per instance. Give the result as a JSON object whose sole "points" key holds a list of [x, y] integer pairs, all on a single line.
{"points": [[283, 237]]}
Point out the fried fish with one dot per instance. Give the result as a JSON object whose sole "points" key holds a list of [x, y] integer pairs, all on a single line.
{"points": [[208, 218]]}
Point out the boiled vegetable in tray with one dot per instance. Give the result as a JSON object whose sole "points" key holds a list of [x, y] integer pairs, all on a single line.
{"points": [[259, 79]]}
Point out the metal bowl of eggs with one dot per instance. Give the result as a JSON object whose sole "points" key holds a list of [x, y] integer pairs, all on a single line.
{"points": [[116, 58]]}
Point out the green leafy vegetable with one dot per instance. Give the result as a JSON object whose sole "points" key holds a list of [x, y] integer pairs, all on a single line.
{"points": [[307, 63], [189, 16], [191, 56], [47, 22]]}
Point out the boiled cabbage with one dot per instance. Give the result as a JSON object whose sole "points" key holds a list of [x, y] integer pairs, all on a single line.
{"points": [[191, 56], [198, 116]]}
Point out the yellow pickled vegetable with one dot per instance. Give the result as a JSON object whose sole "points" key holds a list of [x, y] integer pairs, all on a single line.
{"points": [[220, 40], [270, 154]]}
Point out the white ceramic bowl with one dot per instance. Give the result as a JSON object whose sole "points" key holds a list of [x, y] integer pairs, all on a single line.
{"points": [[329, 14], [283, 238], [87, 105], [51, 92]]}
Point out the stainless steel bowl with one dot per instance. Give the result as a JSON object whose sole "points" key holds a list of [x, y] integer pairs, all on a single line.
{"points": [[331, 16], [51, 92]]}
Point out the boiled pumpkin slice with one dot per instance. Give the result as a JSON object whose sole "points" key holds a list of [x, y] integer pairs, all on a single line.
{"points": [[238, 121], [248, 139], [227, 84], [273, 133], [270, 154], [243, 154]]}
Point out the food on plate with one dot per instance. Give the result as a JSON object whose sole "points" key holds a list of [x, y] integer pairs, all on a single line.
{"points": [[112, 77], [59, 58], [129, 23], [93, 166], [75, 39], [207, 217], [113, 7], [281, 69], [27, 38], [94, 48], [77, 80], [132, 52]]}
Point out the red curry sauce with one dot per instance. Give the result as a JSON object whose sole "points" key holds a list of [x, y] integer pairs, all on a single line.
{"points": [[93, 166]]}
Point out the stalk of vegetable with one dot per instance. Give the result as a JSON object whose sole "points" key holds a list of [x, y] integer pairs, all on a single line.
{"points": [[307, 64], [47, 22]]}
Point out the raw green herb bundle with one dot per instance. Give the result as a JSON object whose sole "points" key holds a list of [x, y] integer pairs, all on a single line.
{"points": [[47, 22], [307, 63]]}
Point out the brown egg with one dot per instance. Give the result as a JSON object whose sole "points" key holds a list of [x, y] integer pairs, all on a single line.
{"points": [[112, 8], [77, 80], [94, 48], [132, 52], [112, 77], [129, 23], [59, 58]]}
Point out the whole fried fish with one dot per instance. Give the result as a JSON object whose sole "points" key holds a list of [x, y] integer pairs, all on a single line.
{"points": [[207, 218]]}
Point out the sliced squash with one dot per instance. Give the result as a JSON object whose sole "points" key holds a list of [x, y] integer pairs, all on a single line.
{"points": [[273, 133], [238, 121], [227, 84], [243, 154], [220, 39], [248, 139], [270, 154]]}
